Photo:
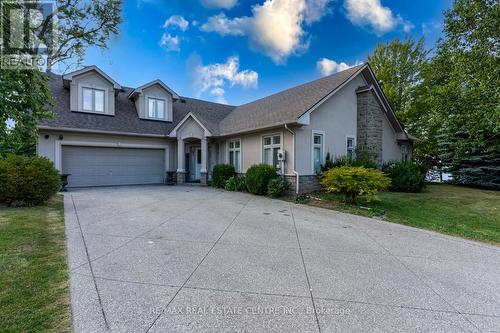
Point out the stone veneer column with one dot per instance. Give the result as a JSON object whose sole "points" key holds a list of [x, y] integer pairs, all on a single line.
{"points": [[203, 169], [181, 171], [369, 124]]}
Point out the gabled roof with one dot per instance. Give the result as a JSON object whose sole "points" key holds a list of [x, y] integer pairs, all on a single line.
{"points": [[152, 83], [69, 76], [126, 120], [284, 107]]}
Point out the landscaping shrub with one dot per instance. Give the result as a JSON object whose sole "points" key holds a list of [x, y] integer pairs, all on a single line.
{"points": [[241, 185], [354, 181], [347, 161], [277, 187], [221, 173], [258, 177], [329, 163], [230, 184], [27, 180], [406, 176]]}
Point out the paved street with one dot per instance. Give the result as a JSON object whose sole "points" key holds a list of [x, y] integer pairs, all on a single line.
{"points": [[196, 259]]}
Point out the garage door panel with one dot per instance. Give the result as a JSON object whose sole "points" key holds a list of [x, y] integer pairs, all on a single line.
{"points": [[101, 166]]}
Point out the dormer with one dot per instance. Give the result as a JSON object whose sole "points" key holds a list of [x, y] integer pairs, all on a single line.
{"points": [[91, 91], [154, 101]]}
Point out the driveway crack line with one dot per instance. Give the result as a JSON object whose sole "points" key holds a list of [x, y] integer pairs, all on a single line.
{"points": [[199, 264], [90, 266], [422, 281], [305, 268], [140, 236]]}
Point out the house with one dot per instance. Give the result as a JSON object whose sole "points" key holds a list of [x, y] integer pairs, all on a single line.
{"points": [[107, 134]]}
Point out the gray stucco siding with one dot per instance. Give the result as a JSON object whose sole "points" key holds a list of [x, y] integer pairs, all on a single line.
{"points": [[336, 117]]}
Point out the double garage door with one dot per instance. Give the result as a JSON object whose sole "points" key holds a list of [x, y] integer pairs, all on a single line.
{"points": [[101, 166]]}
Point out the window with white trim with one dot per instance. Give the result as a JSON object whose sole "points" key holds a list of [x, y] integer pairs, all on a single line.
{"points": [[156, 108], [404, 153], [317, 152], [235, 154], [350, 147], [270, 146], [93, 100]]}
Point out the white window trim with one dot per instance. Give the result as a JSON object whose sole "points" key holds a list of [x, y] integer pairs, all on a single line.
{"points": [[234, 149], [165, 107], [353, 137], [92, 87], [323, 133], [280, 134]]}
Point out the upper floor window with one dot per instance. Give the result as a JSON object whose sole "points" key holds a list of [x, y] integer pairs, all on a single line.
{"points": [[156, 108], [235, 154], [317, 152], [270, 148], [93, 99], [350, 147]]}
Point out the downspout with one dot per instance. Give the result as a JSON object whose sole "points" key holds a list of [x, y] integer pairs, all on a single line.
{"points": [[294, 159]]}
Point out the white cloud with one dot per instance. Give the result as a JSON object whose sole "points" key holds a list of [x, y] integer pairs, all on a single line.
{"points": [[372, 13], [213, 78], [276, 27], [328, 67], [227, 27], [176, 21], [225, 4], [170, 43]]}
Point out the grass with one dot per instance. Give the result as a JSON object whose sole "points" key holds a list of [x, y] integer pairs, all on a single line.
{"points": [[454, 210], [34, 293]]}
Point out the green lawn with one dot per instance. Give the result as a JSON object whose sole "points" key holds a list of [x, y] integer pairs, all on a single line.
{"points": [[454, 210], [34, 293]]}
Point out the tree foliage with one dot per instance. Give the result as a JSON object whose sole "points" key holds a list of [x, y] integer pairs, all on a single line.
{"points": [[398, 65], [463, 95], [25, 101], [80, 24]]}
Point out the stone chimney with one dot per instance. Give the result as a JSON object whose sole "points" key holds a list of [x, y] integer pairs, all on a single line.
{"points": [[369, 124]]}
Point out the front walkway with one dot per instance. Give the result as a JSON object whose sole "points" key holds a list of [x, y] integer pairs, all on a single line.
{"points": [[195, 259]]}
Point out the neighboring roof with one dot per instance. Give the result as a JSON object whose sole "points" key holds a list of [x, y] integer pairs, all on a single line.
{"points": [[126, 119], [86, 69], [152, 83], [286, 106]]}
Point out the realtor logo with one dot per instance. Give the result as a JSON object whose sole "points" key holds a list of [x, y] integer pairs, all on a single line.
{"points": [[27, 33]]}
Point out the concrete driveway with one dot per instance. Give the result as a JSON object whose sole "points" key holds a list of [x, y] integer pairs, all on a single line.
{"points": [[194, 259]]}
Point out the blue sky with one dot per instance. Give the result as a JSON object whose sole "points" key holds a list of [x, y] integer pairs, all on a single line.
{"points": [[235, 51]]}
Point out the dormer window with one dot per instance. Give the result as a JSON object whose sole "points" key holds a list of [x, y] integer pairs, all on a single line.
{"points": [[156, 108], [93, 99]]}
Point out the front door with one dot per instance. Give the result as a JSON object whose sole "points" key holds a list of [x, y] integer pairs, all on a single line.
{"points": [[197, 164]]}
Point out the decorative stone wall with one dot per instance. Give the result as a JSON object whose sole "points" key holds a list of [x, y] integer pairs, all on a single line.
{"points": [[369, 125], [181, 177], [307, 184], [204, 178]]}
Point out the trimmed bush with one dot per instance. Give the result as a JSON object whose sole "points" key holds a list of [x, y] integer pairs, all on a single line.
{"points": [[354, 181], [221, 173], [406, 176], [236, 183], [258, 177], [277, 187], [230, 184], [27, 180], [241, 185], [346, 161]]}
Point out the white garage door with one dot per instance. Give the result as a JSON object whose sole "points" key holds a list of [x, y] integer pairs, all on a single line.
{"points": [[100, 166]]}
